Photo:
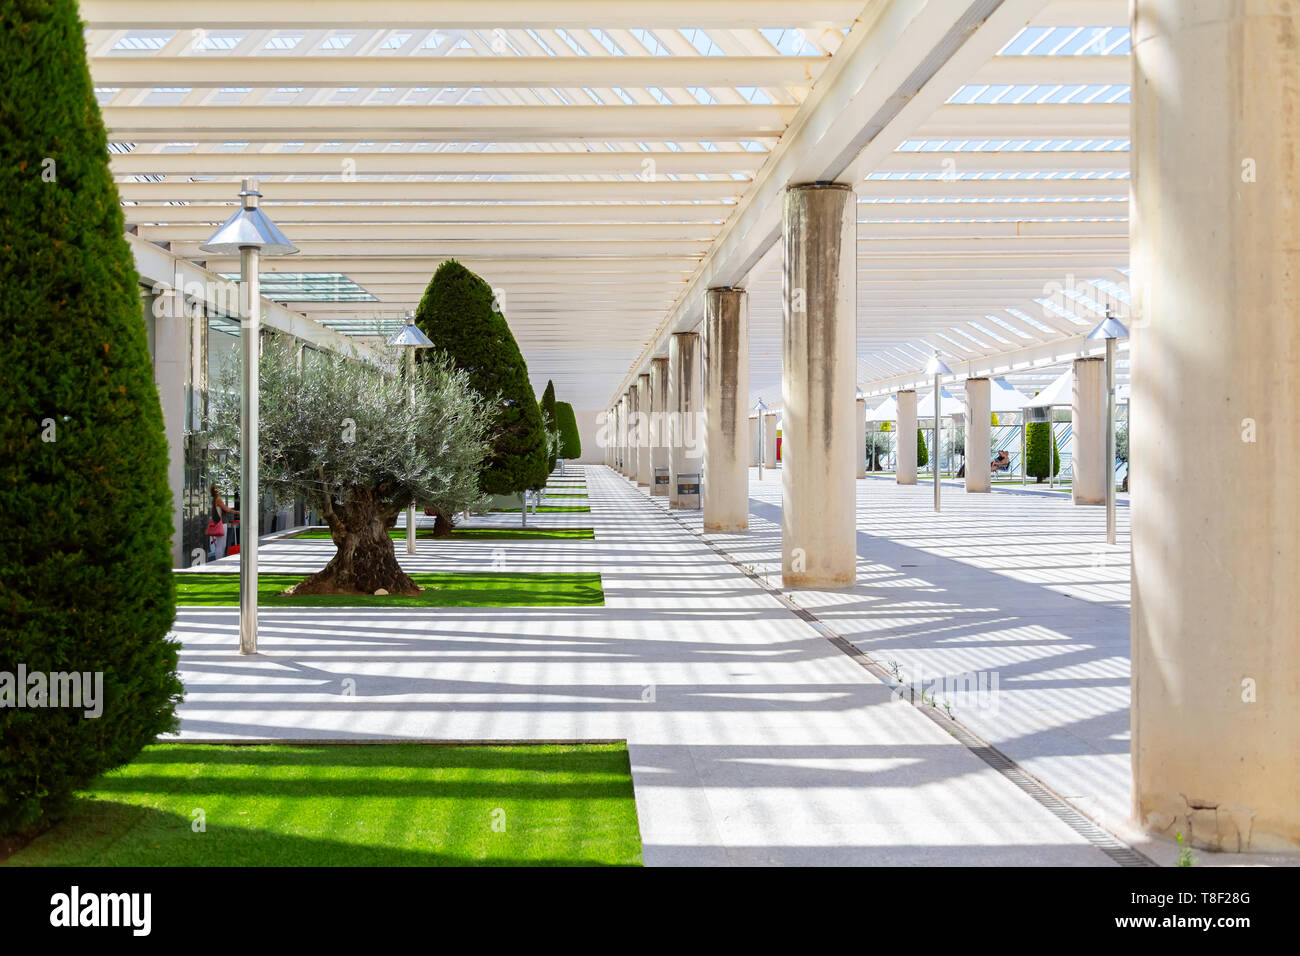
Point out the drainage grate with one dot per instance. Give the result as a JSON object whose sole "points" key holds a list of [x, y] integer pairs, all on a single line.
{"points": [[1072, 817]]}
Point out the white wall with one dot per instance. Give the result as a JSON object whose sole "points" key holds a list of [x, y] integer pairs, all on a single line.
{"points": [[592, 453]]}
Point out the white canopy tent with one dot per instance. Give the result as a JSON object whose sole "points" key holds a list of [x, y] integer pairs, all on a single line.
{"points": [[887, 412], [1004, 397], [948, 406], [1060, 392]]}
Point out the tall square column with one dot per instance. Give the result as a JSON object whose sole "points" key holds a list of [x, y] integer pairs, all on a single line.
{"points": [[860, 420], [658, 422], [726, 393], [644, 476], [1215, 372], [1088, 426], [684, 407], [979, 418], [905, 440], [818, 372]]}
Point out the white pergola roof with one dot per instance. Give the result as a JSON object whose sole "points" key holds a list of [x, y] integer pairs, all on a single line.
{"points": [[602, 163]]}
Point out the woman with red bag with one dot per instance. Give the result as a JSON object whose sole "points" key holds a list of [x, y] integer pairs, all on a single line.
{"points": [[216, 523]]}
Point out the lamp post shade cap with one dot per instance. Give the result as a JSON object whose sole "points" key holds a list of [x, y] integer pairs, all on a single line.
{"points": [[249, 228], [410, 336], [936, 367], [1109, 328]]}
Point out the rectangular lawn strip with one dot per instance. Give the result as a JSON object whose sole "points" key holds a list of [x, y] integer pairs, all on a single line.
{"points": [[566, 494], [441, 589], [366, 805], [504, 534], [546, 509]]}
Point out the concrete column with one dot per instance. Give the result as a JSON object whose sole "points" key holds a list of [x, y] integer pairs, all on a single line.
{"points": [[769, 441], [861, 421], [658, 422], [683, 410], [170, 374], [752, 427], [818, 369], [1088, 485], [979, 419], [629, 434], [905, 440], [644, 476], [621, 456], [1216, 377], [726, 392]]}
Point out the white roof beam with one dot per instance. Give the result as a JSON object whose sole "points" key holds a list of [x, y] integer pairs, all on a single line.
{"points": [[482, 14], [515, 162], [1021, 160], [326, 191], [495, 124]]}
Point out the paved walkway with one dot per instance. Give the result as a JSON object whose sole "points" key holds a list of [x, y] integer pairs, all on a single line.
{"points": [[753, 740]]}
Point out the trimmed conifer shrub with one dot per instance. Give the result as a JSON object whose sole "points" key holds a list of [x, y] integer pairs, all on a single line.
{"points": [[458, 314], [1037, 436], [570, 439], [85, 509], [549, 422], [922, 453]]}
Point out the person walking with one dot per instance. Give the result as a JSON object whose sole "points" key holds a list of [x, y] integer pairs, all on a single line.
{"points": [[217, 528]]}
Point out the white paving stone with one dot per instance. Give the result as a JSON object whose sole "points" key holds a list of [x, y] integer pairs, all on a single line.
{"points": [[752, 739]]}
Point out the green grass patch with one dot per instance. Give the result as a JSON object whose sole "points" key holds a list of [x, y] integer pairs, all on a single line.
{"points": [[441, 589], [503, 534], [368, 805], [566, 494], [547, 509]]}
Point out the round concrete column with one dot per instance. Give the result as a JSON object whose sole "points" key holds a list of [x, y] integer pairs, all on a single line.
{"points": [[905, 440], [684, 407], [1216, 378], [979, 418], [818, 369], [658, 422], [642, 454], [1088, 486], [861, 422], [726, 391]]}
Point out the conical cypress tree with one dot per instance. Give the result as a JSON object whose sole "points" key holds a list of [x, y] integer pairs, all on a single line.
{"points": [[547, 406], [1037, 437], [922, 453], [570, 439], [85, 511], [457, 313]]}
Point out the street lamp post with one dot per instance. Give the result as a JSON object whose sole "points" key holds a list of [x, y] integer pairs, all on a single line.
{"points": [[1111, 329], [250, 233], [936, 368], [410, 338]]}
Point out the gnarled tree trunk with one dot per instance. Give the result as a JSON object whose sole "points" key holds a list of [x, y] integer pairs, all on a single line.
{"points": [[365, 560]]}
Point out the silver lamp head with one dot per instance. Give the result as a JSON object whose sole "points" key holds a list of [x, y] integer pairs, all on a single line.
{"points": [[410, 336], [761, 406], [936, 367], [249, 228], [1110, 328]]}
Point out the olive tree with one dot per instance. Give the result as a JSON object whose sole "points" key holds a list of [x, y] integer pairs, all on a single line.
{"points": [[347, 437]]}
